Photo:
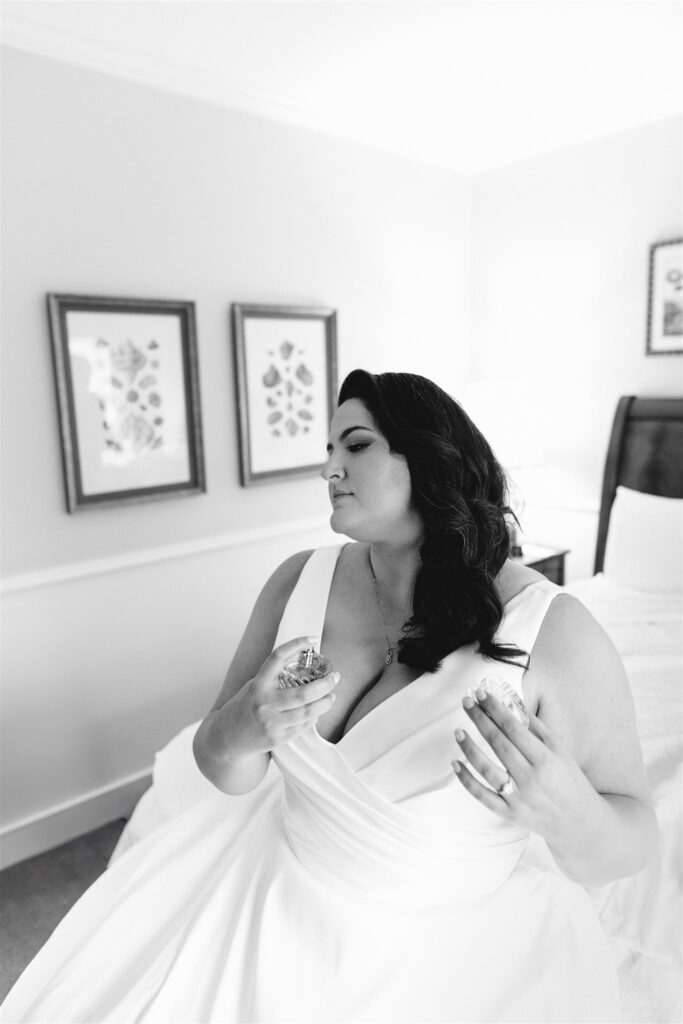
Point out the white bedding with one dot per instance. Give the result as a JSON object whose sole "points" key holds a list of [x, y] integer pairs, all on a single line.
{"points": [[642, 914]]}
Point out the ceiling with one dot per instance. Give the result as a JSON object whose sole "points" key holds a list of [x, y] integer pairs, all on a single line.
{"points": [[466, 84]]}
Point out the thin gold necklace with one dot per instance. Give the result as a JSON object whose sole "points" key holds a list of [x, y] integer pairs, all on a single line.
{"points": [[390, 650]]}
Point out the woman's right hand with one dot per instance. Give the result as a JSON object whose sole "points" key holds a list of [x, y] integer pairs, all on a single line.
{"points": [[262, 715]]}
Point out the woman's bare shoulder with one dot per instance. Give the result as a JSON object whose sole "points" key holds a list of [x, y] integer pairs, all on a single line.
{"points": [[577, 656], [261, 630], [570, 636], [282, 581]]}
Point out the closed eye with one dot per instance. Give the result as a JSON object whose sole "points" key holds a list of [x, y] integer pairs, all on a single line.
{"points": [[352, 447]]}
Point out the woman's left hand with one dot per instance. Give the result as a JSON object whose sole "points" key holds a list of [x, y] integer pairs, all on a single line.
{"points": [[540, 788]]}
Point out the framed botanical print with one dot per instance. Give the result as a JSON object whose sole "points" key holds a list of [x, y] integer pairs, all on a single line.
{"points": [[665, 299], [127, 383], [286, 377]]}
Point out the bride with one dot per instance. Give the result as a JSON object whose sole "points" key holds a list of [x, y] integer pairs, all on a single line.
{"points": [[364, 854]]}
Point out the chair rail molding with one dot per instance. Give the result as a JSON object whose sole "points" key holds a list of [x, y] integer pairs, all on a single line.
{"points": [[133, 560]]}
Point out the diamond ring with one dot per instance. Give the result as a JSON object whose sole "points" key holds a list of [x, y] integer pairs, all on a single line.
{"points": [[507, 788]]}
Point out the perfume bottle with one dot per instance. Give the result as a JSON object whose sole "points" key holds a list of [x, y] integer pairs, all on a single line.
{"points": [[306, 667], [503, 692]]}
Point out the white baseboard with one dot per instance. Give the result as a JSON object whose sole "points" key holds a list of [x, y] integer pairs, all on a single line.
{"points": [[41, 832]]}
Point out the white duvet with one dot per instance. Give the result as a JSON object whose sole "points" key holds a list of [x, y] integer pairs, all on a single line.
{"points": [[643, 914]]}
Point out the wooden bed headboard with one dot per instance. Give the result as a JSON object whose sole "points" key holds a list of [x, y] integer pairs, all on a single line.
{"points": [[645, 453]]}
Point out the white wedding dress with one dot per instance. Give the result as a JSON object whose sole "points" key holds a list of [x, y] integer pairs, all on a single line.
{"points": [[359, 882]]}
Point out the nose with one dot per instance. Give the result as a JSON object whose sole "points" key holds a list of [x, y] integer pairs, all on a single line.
{"points": [[332, 468]]}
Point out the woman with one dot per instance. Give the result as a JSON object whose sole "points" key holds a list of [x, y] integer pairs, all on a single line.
{"points": [[370, 866]]}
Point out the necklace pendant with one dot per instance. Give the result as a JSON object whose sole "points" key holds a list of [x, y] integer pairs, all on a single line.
{"points": [[390, 657]]}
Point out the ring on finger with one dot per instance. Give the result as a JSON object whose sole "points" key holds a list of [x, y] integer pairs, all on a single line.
{"points": [[507, 788]]}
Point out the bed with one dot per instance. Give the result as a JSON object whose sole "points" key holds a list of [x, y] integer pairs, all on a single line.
{"points": [[636, 596]]}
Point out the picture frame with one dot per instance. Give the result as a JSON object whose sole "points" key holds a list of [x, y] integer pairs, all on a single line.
{"points": [[285, 361], [127, 381], [665, 299]]}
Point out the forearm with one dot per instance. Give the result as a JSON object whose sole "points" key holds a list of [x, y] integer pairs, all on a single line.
{"points": [[230, 771], [616, 838]]}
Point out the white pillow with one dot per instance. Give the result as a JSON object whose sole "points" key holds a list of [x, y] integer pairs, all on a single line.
{"points": [[645, 542]]}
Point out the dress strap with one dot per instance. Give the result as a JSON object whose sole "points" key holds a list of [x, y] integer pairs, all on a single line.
{"points": [[521, 623], [304, 614], [525, 612]]}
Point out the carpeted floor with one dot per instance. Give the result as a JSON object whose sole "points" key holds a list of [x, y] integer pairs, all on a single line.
{"points": [[36, 894]]}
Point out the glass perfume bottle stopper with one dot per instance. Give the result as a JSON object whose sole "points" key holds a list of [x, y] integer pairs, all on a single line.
{"points": [[305, 668]]}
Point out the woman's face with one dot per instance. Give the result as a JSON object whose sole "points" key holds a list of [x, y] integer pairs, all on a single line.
{"points": [[369, 485]]}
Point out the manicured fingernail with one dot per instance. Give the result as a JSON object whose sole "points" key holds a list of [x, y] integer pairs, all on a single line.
{"points": [[336, 676], [457, 767], [467, 702], [481, 693], [333, 695], [460, 735]]}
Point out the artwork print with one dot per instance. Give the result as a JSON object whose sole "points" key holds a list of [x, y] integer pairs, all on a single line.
{"points": [[124, 377], [288, 391], [665, 306], [286, 384]]}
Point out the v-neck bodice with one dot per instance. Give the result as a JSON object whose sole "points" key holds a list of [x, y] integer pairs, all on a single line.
{"points": [[390, 777]]}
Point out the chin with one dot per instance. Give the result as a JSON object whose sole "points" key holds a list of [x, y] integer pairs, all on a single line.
{"points": [[339, 524]]}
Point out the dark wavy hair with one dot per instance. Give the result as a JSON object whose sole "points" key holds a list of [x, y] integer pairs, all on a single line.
{"points": [[459, 490]]}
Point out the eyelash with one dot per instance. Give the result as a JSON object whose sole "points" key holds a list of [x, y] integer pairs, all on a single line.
{"points": [[354, 448]]}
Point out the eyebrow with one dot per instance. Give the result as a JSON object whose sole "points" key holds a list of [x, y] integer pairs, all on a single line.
{"points": [[349, 430]]}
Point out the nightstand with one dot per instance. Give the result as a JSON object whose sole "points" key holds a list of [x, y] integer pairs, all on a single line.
{"points": [[549, 561]]}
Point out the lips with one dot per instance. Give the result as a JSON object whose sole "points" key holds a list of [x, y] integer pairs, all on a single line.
{"points": [[341, 494]]}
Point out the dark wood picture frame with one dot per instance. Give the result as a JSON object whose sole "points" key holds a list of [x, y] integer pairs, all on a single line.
{"points": [[285, 361], [127, 380], [665, 299]]}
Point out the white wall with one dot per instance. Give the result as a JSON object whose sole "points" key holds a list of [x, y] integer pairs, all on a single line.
{"points": [[560, 298], [113, 188]]}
